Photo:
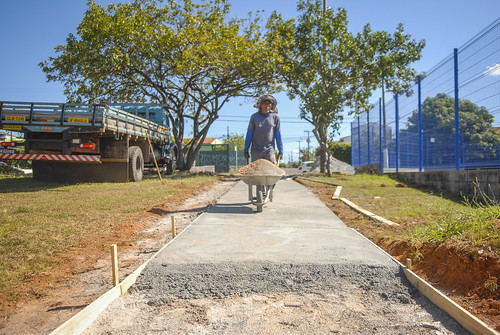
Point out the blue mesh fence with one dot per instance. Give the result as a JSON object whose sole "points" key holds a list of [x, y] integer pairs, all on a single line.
{"points": [[419, 131]]}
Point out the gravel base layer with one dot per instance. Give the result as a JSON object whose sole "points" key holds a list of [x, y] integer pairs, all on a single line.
{"points": [[271, 298], [163, 283]]}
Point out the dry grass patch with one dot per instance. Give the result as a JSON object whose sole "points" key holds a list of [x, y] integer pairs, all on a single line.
{"points": [[40, 220]]}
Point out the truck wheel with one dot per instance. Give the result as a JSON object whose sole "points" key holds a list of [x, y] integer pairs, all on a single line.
{"points": [[135, 163], [172, 164]]}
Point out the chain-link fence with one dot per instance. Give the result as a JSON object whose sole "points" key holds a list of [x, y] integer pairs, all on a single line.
{"points": [[450, 121]]}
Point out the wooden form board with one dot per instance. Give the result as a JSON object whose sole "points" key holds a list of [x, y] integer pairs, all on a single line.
{"points": [[367, 213], [83, 319], [459, 314], [466, 319], [336, 195]]}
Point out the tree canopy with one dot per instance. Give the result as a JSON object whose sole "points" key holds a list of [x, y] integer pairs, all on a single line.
{"points": [[190, 56], [235, 140], [331, 69], [475, 122]]}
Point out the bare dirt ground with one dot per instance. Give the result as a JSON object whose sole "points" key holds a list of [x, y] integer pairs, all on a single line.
{"points": [[84, 275], [347, 310]]}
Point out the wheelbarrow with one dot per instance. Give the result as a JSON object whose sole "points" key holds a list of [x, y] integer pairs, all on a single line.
{"points": [[264, 188]]}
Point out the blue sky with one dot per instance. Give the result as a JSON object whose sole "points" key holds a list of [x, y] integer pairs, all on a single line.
{"points": [[30, 29]]}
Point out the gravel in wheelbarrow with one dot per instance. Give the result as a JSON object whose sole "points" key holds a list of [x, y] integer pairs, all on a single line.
{"points": [[261, 167]]}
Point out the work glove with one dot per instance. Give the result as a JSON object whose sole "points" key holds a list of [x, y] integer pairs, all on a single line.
{"points": [[280, 157], [247, 155]]}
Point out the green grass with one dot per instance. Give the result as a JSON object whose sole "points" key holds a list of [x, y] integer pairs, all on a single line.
{"points": [[475, 222], [39, 220], [427, 215]]}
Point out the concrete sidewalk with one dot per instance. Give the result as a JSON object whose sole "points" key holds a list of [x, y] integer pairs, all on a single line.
{"points": [[295, 228], [294, 268]]}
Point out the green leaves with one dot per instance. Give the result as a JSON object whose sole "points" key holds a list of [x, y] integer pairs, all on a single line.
{"points": [[331, 69], [188, 55], [476, 123]]}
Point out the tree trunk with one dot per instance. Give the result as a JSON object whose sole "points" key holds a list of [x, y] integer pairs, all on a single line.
{"points": [[321, 133], [328, 162]]}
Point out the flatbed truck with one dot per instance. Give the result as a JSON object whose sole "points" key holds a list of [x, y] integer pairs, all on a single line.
{"points": [[71, 142]]}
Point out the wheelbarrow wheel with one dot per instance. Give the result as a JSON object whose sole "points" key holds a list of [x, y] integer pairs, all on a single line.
{"points": [[260, 199]]}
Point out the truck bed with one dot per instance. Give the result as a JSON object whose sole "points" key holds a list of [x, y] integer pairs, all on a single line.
{"points": [[40, 116]]}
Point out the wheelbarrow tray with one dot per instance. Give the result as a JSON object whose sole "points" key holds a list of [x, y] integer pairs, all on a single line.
{"points": [[260, 179]]}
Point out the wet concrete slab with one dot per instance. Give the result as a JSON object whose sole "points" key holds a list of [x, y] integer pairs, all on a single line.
{"points": [[295, 227]]}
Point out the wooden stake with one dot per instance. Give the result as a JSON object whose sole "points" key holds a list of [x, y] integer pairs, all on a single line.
{"points": [[114, 264], [174, 230], [154, 157], [336, 195], [408, 263]]}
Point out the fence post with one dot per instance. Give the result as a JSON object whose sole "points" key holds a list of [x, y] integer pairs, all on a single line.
{"points": [[236, 155], [381, 159], [420, 144], [359, 143], [352, 145], [368, 134], [228, 152], [464, 160], [457, 120], [397, 131]]}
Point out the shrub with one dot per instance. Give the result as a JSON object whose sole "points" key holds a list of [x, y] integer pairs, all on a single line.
{"points": [[341, 151]]}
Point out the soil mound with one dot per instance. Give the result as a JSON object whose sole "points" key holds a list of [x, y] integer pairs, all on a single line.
{"points": [[261, 167], [336, 166]]}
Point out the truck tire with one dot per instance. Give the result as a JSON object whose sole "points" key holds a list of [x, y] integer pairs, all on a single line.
{"points": [[135, 163], [172, 164]]}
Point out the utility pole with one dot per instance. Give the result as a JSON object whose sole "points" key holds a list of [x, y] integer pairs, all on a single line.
{"points": [[308, 141], [324, 5], [299, 152]]}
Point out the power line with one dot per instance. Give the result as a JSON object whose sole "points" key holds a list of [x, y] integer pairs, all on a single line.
{"points": [[246, 121]]}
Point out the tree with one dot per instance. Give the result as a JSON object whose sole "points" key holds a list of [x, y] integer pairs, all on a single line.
{"points": [[235, 140], [189, 56], [392, 56], [341, 151], [319, 62], [475, 123], [330, 69], [304, 155]]}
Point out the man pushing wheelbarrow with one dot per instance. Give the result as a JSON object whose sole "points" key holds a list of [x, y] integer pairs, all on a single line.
{"points": [[264, 129]]}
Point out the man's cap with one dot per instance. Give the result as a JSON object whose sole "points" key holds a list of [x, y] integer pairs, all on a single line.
{"points": [[267, 97]]}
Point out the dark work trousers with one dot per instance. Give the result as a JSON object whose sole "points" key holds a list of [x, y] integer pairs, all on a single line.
{"points": [[269, 155]]}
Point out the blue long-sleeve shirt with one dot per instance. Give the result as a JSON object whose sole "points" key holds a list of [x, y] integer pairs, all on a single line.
{"points": [[263, 130]]}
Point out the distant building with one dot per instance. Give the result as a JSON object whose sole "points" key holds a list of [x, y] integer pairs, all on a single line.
{"points": [[9, 138], [346, 139], [207, 144]]}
